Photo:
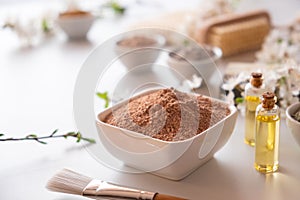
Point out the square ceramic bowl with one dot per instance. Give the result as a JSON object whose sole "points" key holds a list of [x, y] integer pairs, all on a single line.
{"points": [[172, 160], [292, 123]]}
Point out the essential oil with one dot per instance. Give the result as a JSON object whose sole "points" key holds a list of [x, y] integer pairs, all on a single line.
{"points": [[253, 91], [251, 104], [267, 135]]}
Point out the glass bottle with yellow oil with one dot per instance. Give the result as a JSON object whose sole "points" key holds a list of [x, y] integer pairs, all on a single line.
{"points": [[253, 90], [267, 134]]}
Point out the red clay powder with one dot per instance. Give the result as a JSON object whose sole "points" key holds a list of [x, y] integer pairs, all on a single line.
{"points": [[169, 114]]}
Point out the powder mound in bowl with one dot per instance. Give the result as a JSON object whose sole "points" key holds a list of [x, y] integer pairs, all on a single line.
{"points": [[137, 41], [168, 114], [192, 53]]}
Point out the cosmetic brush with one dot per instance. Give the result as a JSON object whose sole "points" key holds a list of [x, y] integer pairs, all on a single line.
{"points": [[67, 181]]}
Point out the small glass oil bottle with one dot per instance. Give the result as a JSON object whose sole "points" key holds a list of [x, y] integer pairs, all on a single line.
{"points": [[267, 134], [253, 91]]}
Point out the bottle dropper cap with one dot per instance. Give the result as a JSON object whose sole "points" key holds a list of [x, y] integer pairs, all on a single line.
{"points": [[268, 95], [256, 79], [256, 75], [269, 100]]}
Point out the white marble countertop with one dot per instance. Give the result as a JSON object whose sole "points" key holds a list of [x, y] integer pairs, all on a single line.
{"points": [[36, 95]]}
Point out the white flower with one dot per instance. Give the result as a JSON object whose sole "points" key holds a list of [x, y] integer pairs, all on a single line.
{"points": [[196, 82], [281, 44]]}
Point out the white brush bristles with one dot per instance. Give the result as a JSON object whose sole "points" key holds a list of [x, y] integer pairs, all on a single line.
{"points": [[67, 181]]}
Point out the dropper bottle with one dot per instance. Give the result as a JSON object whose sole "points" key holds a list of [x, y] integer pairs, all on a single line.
{"points": [[267, 134], [253, 90]]}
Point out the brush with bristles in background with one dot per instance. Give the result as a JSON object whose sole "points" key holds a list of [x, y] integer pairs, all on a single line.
{"points": [[67, 181]]}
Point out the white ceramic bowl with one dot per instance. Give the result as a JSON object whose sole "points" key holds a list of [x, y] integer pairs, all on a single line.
{"points": [[172, 160], [76, 27], [189, 67], [132, 57], [293, 124]]}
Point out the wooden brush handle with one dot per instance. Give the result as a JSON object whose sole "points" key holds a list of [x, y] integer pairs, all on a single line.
{"points": [[166, 197]]}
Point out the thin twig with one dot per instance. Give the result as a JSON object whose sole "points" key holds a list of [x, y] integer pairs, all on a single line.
{"points": [[52, 135]]}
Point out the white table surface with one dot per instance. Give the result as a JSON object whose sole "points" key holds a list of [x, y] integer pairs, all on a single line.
{"points": [[36, 95]]}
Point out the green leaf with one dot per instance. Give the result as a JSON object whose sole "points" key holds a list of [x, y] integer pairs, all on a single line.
{"points": [[31, 136], [78, 137], [104, 96], [45, 26], [279, 40], [72, 134], [55, 131], [282, 80], [239, 100], [117, 8], [42, 142], [89, 140]]}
